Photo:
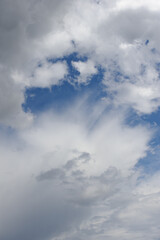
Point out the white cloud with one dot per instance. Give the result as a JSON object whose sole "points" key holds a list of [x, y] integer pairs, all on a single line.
{"points": [[61, 172], [48, 74], [124, 4], [86, 70], [103, 32], [35, 31]]}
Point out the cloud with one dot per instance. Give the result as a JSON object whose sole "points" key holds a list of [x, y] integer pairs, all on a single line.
{"points": [[72, 185], [86, 70], [71, 174], [11, 98], [24, 31], [111, 35], [114, 37], [24, 27], [48, 74], [50, 174]]}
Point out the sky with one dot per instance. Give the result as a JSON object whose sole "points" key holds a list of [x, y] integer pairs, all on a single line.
{"points": [[79, 120]]}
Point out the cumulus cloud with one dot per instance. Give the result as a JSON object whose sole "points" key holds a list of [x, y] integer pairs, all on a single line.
{"points": [[86, 70]]}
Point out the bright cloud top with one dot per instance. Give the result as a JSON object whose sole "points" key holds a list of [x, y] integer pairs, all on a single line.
{"points": [[86, 69]]}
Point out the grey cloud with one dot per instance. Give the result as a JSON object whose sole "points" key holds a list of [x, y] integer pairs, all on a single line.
{"points": [[51, 174], [85, 190], [70, 164], [45, 214], [83, 158], [61, 173], [11, 98], [23, 26], [23, 23], [68, 203]]}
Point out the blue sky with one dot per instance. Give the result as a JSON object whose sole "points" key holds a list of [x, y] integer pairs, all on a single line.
{"points": [[60, 96], [79, 120]]}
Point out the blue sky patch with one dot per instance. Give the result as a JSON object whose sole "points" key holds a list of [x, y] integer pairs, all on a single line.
{"points": [[60, 96]]}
